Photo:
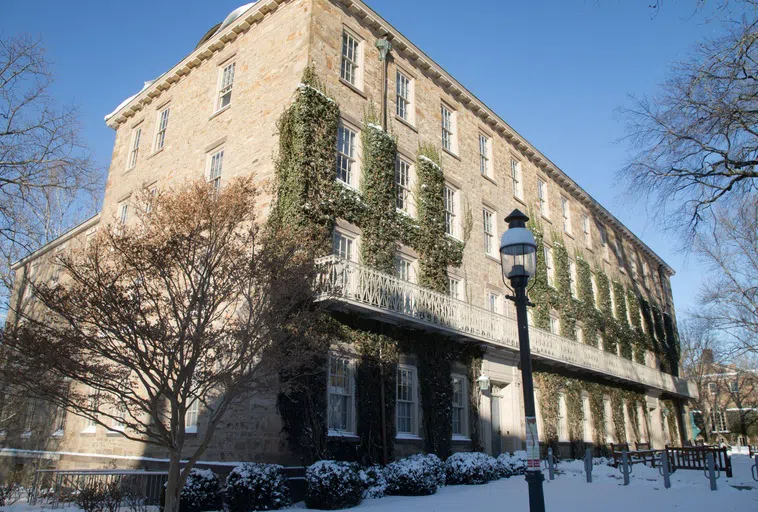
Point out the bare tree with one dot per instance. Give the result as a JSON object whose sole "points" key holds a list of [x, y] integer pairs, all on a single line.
{"points": [[193, 303], [696, 143], [47, 180], [729, 296]]}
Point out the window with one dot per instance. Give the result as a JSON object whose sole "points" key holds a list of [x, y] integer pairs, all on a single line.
{"points": [[490, 244], [645, 274], [346, 155], [542, 194], [404, 268], [340, 395], [403, 97], [548, 254], [619, 252], [403, 184], [30, 419], [59, 422], [226, 82], [562, 418], [529, 317], [454, 288], [134, 153], [460, 418], [572, 279], [90, 425], [587, 419], [634, 266], [123, 216], [518, 184], [215, 169], [579, 334], [555, 326], [350, 58], [405, 407], [734, 386], [160, 134], [153, 191], [613, 303], [718, 422], [493, 302], [190, 418], [117, 422], [593, 282], [604, 241], [586, 230], [566, 214], [342, 245], [484, 156], [448, 129], [451, 211]]}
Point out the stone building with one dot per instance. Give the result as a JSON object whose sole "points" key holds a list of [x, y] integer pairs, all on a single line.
{"points": [[603, 334]]}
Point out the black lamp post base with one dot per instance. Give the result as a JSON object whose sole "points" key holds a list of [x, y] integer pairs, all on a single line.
{"points": [[534, 480]]}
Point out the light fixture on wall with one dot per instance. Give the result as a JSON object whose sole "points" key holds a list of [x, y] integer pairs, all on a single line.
{"points": [[484, 383]]}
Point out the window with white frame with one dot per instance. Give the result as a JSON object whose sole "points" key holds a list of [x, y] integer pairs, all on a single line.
{"points": [[190, 417], [595, 298], [225, 85], [579, 334], [351, 58], [543, 198], [586, 229], [404, 97], [460, 417], [493, 302], [93, 405], [518, 180], [490, 232], [123, 216], [134, 148], [404, 269], [604, 241], [403, 184], [454, 287], [566, 214], [645, 274], [555, 325], [161, 127], [215, 169], [547, 252], [712, 388], [406, 409], [718, 422], [343, 245], [633, 266], [613, 303], [734, 386], [563, 434], [572, 279], [59, 421], [119, 414], [451, 210], [341, 403], [448, 128], [586, 419], [346, 156], [485, 165], [618, 246], [530, 317]]}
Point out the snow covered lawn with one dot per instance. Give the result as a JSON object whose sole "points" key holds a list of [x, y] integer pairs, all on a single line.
{"points": [[569, 492]]}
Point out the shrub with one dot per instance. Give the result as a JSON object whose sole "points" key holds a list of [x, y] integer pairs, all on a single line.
{"points": [[252, 486], [201, 491], [417, 475], [99, 497], [511, 465], [374, 483], [10, 493], [471, 468], [331, 485]]}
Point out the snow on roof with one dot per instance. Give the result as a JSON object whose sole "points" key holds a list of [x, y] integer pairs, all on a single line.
{"points": [[236, 13]]}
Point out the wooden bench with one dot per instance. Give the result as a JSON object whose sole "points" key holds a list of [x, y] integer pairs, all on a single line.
{"points": [[642, 453], [694, 457]]}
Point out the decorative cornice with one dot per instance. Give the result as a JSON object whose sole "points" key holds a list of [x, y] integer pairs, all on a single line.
{"points": [[418, 58]]}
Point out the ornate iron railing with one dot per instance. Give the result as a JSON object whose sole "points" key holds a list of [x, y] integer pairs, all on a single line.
{"points": [[360, 286]]}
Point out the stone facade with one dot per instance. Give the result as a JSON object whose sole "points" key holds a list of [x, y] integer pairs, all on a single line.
{"points": [[270, 45]]}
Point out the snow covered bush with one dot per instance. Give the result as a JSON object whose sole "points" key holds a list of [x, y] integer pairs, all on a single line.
{"points": [[374, 484], [252, 486], [417, 475], [331, 485], [202, 491], [511, 465], [469, 468], [602, 461]]}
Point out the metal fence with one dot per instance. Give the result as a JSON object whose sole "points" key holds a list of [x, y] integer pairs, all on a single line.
{"points": [[55, 487]]}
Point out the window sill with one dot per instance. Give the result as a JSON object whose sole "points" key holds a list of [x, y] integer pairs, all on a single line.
{"points": [[404, 212], [458, 438], [406, 123], [156, 152], [546, 219], [454, 237], [114, 433], [519, 200], [408, 437], [348, 186], [353, 88], [491, 257], [89, 431], [130, 169], [220, 111], [451, 154], [26, 435], [342, 435], [568, 234], [489, 178], [190, 430], [57, 434]]}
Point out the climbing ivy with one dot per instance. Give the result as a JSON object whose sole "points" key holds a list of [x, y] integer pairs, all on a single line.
{"points": [[586, 310], [566, 303]]}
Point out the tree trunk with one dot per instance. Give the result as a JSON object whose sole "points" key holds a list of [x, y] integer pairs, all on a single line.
{"points": [[173, 484]]}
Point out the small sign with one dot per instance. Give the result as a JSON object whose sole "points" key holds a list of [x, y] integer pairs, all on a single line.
{"points": [[532, 444]]}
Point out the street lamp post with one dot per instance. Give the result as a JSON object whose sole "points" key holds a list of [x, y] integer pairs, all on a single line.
{"points": [[518, 253]]}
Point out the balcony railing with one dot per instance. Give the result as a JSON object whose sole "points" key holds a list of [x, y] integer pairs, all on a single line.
{"points": [[368, 289]]}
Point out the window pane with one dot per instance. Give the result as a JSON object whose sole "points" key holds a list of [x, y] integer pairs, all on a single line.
{"points": [[345, 154]]}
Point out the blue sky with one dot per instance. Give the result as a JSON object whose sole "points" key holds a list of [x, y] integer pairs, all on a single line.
{"points": [[556, 70]]}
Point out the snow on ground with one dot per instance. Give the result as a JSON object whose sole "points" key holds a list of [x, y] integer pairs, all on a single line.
{"points": [[569, 492]]}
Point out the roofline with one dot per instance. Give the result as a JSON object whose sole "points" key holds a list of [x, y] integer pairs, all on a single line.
{"points": [[401, 44], [64, 237]]}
